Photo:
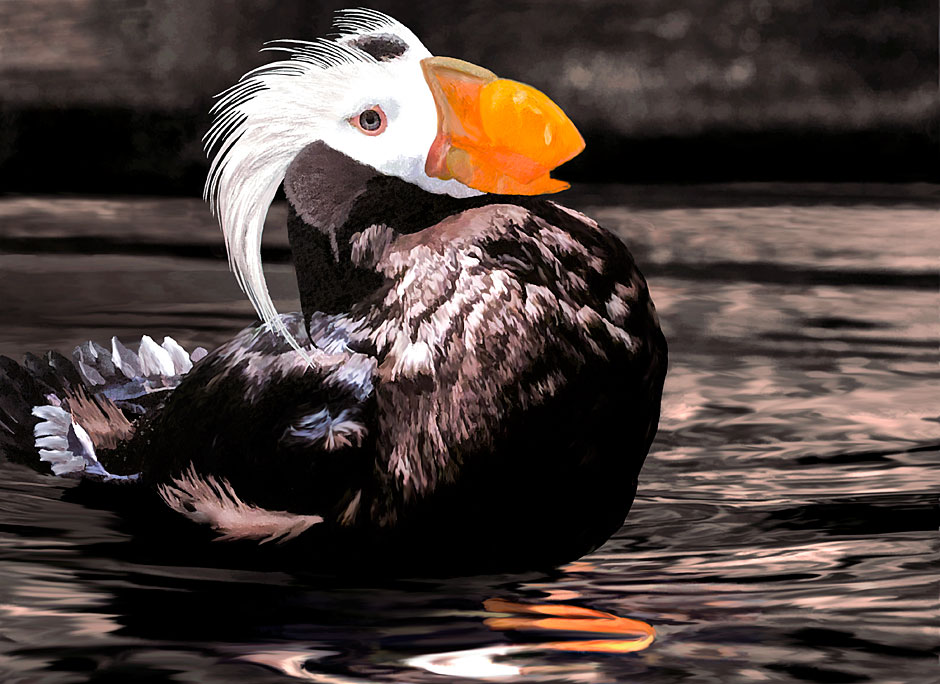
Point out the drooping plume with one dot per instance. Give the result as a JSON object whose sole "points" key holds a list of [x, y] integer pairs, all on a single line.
{"points": [[267, 118]]}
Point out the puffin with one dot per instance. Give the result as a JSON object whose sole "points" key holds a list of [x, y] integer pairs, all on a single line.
{"points": [[474, 379]]}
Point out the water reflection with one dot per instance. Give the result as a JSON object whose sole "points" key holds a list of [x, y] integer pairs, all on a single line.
{"points": [[484, 663], [497, 660], [298, 664], [784, 530], [567, 618]]}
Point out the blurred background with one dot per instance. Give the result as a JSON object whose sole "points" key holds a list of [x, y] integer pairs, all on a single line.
{"points": [[112, 96]]}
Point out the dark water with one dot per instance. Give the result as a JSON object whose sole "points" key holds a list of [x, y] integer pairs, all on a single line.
{"points": [[785, 528]]}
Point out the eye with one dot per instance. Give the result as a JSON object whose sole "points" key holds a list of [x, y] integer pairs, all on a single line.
{"points": [[371, 121]]}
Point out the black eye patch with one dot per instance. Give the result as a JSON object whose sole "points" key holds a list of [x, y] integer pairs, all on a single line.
{"points": [[382, 46]]}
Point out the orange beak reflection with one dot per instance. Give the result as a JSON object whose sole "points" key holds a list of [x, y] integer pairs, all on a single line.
{"points": [[620, 635], [628, 635], [496, 135]]}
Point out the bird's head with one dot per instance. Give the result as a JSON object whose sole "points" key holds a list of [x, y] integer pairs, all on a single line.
{"points": [[375, 94]]}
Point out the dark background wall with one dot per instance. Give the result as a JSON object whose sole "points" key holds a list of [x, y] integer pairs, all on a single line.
{"points": [[110, 96]]}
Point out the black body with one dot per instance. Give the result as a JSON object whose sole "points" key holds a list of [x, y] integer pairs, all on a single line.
{"points": [[506, 409]]}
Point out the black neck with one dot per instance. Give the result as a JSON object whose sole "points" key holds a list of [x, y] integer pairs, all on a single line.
{"points": [[331, 198], [328, 280]]}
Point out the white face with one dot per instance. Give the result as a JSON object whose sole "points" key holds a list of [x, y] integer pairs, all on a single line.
{"points": [[399, 94], [265, 120]]}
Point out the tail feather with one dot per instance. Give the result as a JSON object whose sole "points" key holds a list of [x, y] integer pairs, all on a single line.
{"points": [[20, 390], [94, 363], [59, 411], [125, 361], [56, 374], [67, 447], [123, 375], [52, 440]]}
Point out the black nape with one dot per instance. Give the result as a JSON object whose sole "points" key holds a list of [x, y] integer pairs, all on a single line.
{"points": [[328, 281], [321, 186], [331, 198]]}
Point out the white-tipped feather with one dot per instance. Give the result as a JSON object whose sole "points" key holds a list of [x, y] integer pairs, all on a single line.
{"points": [[154, 359], [182, 363], [124, 360], [276, 110], [51, 434], [122, 374], [67, 447]]}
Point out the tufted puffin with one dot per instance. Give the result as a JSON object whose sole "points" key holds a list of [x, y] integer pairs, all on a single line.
{"points": [[474, 378]]}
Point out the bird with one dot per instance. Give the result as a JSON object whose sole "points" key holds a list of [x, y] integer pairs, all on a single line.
{"points": [[474, 379]]}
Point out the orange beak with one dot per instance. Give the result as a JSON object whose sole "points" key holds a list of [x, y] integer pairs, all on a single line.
{"points": [[496, 135]]}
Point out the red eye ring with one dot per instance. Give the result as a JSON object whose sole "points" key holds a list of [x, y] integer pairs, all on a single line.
{"points": [[371, 121]]}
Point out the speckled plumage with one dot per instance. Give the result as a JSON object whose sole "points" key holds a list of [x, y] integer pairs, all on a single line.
{"points": [[496, 387], [473, 380], [478, 389]]}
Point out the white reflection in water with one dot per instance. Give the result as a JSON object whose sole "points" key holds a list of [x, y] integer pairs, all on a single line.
{"points": [[294, 663], [632, 635], [475, 662], [622, 635]]}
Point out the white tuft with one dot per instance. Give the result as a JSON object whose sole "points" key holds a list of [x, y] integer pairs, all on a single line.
{"points": [[275, 111], [360, 21], [261, 124]]}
